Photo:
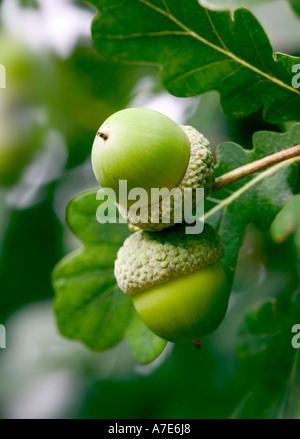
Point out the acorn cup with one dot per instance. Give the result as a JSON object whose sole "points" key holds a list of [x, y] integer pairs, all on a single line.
{"points": [[177, 285], [149, 150]]}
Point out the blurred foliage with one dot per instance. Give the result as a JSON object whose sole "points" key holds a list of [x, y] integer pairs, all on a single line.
{"points": [[287, 222], [29, 4], [25, 266], [17, 145], [46, 93], [296, 6]]}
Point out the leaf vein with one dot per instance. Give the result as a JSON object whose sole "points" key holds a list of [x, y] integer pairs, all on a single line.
{"points": [[219, 49]]}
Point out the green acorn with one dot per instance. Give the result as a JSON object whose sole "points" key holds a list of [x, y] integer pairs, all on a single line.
{"points": [[177, 285], [149, 150]]}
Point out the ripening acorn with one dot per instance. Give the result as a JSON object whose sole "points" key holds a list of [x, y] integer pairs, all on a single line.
{"points": [[178, 286], [149, 150]]}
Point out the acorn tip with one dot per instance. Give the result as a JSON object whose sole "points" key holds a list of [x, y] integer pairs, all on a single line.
{"points": [[197, 343], [103, 135]]}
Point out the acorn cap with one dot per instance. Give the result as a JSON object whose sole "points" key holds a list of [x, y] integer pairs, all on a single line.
{"points": [[200, 173], [148, 259]]}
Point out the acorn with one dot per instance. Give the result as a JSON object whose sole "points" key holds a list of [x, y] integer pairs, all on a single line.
{"points": [[149, 150], [177, 284]]}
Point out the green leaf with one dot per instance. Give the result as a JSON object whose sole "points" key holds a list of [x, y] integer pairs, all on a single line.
{"points": [[295, 6], [264, 346], [256, 199], [290, 405], [145, 345], [201, 50], [89, 305], [287, 222]]}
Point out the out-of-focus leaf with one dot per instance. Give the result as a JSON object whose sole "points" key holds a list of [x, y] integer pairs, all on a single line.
{"points": [[201, 50], [17, 146], [287, 222], [145, 345], [295, 4], [34, 4], [37, 109], [256, 199], [289, 407], [89, 305], [30, 248]]}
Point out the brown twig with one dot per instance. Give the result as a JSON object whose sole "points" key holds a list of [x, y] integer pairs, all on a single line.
{"points": [[251, 168]]}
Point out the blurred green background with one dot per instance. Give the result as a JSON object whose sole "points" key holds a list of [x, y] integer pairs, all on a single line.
{"points": [[58, 92]]}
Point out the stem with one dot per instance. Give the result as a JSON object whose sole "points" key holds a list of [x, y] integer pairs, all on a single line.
{"points": [[236, 194], [251, 168]]}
